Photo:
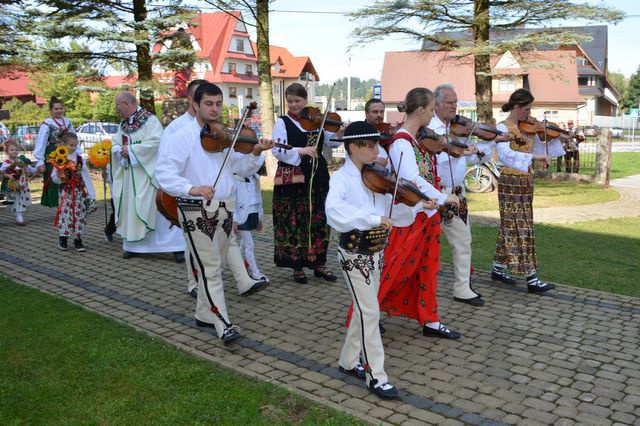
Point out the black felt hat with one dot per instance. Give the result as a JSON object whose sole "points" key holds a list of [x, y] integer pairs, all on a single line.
{"points": [[359, 130]]}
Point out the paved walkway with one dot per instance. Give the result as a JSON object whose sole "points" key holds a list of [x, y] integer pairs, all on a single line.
{"points": [[626, 206], [570, 357]]}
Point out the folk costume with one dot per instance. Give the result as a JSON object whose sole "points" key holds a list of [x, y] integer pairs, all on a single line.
{"points": [[183, 164], [457, 230], [412, 257], [47, 141], [76, 200], [234, 257], [16, 187], [142, 228], [355, 211], [515, 247], [301, 233], [248, 216]]}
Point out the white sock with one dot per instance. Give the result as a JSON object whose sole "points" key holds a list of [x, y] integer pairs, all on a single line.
{"points": [[434, 325], [19, 218]]}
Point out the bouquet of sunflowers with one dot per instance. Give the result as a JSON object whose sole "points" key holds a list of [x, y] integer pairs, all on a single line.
{"points": [[59, 159], [100, 154]]}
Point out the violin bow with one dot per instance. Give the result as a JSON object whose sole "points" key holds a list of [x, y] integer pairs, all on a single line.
{"points": [[326, 111], [546, 145], [395, 190], [249, 108]]}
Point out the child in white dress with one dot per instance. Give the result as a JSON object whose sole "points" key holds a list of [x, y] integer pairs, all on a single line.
{"points": [[14, 172]]}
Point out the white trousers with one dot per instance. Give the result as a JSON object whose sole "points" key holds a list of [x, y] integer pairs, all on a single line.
{"points": [[207, 231], [234, 259], [247, 249], [458, 235], [362, 275]]}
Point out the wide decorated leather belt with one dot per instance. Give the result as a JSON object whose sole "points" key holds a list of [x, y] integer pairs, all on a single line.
{"points": [[364, 242]]}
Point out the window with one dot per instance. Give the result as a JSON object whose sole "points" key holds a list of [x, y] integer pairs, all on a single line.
{"points": [[239, 45], [276, 89], [233, 92], [582, 81], [249, 92], [232, 67], [592, 80], [506, 85], [248, 69], [581, 61]]}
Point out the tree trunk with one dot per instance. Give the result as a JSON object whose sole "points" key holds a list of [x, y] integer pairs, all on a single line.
{"points": [[482, 61], [265, 88], [143, 57]]}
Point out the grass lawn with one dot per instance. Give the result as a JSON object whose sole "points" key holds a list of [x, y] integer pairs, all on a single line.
{"points": [[64, 365], [601, 255], [625, 164]]}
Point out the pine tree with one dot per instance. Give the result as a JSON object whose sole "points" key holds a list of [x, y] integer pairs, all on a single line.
{"points": [[107, 33], [430, 20], [632, 95]]}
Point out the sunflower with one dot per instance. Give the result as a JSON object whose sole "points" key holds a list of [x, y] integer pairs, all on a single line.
{"points": [[100, 154], [62, 150], [60, 161]]}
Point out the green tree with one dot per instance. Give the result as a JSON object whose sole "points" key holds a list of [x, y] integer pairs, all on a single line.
{"points": [[107, 33], [59, 82], [632, 95], [13, 41], [83, 109], [620, 83], [430, 20], [24, 113], [105, 106]]}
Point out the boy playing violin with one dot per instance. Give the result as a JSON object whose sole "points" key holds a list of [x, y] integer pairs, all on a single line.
{"points": [[361, 216], [186, 171]]}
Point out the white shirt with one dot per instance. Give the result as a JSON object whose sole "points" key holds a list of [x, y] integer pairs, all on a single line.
{"points": [[350, 204], [291, 156], [42, 140], [176, 125], [183, 163], [458, 165], [405, 215], [521, 160]]}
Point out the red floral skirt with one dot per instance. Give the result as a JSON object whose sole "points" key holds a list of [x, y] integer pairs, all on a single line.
{"points": [[410, 274]]}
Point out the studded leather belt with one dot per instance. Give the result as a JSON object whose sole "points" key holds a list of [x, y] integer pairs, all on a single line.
{"points": [[364, 242]]}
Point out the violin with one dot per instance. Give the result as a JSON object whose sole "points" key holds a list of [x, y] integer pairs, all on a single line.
{"points": [[434, 144], [379, 180], [544, 129], [465, 127], [168, 207], [215, 137], [454, 147], [387, 130], [311, 119]]}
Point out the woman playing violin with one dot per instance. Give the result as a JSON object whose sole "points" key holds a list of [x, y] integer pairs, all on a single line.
{"points": [[301, 233], [515, 248], [412, 257]]}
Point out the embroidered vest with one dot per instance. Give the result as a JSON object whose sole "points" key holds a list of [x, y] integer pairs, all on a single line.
{"points": [[427, 163], [527, 148]]}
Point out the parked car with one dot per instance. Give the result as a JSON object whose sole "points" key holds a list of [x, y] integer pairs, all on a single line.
{"points": [[93, 132], [591, 131], [617, 132], [26, 136]]}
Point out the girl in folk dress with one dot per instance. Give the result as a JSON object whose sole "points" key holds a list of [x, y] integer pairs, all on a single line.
{"points": [[76, 195], [247, 218], [14, 183], [47, 140]]}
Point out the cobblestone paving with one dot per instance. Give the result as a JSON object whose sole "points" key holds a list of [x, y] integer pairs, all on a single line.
{"points": [[570, 357]]}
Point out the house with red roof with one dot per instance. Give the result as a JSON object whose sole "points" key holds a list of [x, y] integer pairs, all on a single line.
{"points": [[16, 84], [551, 76]]}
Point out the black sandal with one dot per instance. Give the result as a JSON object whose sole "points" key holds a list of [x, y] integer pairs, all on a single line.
{"points": [[300, 277], [322, 273]]}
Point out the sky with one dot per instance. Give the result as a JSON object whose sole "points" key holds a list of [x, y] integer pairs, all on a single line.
{"points": [[325, 38]]}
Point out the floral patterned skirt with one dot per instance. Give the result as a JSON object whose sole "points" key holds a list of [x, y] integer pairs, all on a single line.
{"points": [[410, 274], [75, 206], [516, 245], [301, 236]]}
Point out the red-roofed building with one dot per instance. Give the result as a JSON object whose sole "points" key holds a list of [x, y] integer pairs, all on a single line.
{"points": [[16, 84], [551, 76]]}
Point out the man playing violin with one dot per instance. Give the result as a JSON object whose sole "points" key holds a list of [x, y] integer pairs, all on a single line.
{"points": [[185, 170], [362, 217], [572, 147], [374, 114], [451, 171]]}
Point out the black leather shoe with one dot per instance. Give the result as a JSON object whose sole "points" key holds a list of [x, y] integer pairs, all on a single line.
{"points": [[178, 256], [62, 243], [108, 236], [204, 324], [541, 287], [300, 277], [230, 335], [442, 332], [385, 391], [127, 254], [382, 329], [357, 371], [194, 293], [326, 275], [260, 285], [474, 301], [77, 243], [503, 276]]}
